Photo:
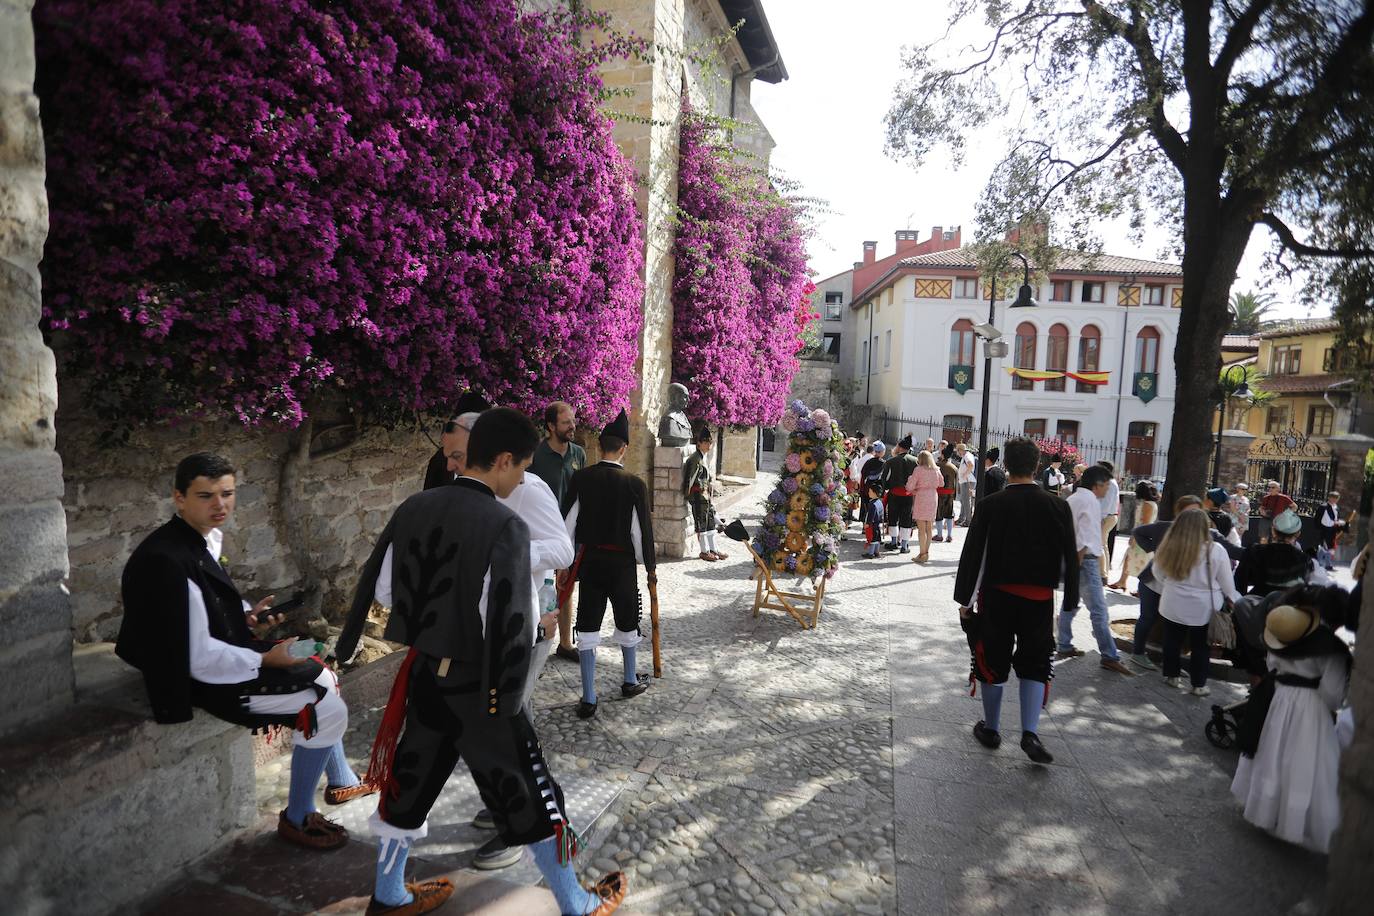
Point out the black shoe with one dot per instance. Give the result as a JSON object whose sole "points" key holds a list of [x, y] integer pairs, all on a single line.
{"points": [[1034, 749], [640, 685], [567, 653], [987, 737], [585, 710], [889, 547]]}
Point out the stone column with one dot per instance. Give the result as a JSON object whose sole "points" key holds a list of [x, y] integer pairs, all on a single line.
{"points": [[1350, 450], [1350, 880], [35, 617], [650, 141], [1235, 450], [673, 528]]}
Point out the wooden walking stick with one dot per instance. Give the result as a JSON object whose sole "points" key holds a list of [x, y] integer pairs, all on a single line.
{"points": [[653, 620]]}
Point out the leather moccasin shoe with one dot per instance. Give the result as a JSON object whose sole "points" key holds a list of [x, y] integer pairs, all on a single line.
{"points": [[987, 737], [640, 685], [567, 653], [315, 832], [429, 895], [337, 795], [611, 891], [585, 710]]}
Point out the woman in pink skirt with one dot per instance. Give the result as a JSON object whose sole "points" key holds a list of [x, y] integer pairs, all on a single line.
{"points": [[922, 485]]}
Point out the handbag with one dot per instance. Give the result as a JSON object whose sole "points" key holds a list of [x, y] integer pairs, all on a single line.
{"points": [[1221, 629]]}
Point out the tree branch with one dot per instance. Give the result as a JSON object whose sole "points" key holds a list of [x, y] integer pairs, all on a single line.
{"points": [[1137, 35], [1322, 98], [1238, 38], [1290, 242], [1077, 167]]}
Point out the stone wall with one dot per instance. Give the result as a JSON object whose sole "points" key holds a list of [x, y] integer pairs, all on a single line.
{"points": [[35, 616], [673, 528], [299, 524], [739, 453]]}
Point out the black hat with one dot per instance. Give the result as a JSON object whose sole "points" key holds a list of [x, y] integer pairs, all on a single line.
{"points": [[993, 454], [905, 442], [736, 531], [619, 427], [470, 402]]}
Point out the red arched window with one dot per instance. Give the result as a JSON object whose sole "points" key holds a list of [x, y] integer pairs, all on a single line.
{"points": [[1147, 350], [1089, 356], [1057, 356], [1024, 355], [960, 347]]}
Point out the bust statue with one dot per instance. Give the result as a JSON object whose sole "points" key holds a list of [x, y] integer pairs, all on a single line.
{"points": [[674, 429]]}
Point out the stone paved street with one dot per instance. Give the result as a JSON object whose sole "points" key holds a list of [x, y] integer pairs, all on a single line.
{"points": [[775, 770]]}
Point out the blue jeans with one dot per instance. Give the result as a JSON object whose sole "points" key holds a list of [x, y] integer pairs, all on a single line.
{"points": [[1090, 591], [1149, 613]]}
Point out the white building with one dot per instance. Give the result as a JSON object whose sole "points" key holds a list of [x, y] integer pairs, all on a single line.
{"points": [[914, 345]]}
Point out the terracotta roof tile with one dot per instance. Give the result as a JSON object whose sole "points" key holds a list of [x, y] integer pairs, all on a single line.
{"points": [[1300, 326], [1294, 384], [1068, 262]]}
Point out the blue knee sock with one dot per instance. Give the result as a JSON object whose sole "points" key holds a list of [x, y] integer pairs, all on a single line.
{"points": [[307, 766], [391, 873], [340, 773], [587, 657], [992, 706], [1032, 698], [562, 880], [627, 653]]}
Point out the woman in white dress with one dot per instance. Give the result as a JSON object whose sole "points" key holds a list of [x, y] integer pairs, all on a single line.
{"points": [[1195, 574], [1287, 781]]}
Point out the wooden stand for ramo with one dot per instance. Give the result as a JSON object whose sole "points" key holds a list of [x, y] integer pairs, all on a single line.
{"points": [[805, 609]]}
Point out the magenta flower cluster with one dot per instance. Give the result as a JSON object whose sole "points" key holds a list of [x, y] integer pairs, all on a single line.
{"points": [[739, 296], [255, 201]]}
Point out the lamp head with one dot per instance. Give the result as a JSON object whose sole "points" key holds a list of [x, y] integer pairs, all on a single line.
{"points": [[1024, 299], [986, 331], [1242, 391]]}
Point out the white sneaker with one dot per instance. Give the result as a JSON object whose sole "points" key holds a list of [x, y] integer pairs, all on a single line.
{"points": [[1174, 681], [1201, 691]]}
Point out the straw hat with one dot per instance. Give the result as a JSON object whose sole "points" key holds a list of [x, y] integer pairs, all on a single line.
{"points": [[1287, 624]]}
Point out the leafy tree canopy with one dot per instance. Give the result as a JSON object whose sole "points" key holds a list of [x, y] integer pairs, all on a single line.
{"points": [[1215, 117]]}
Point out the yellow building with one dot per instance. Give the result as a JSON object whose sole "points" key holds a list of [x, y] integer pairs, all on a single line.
{"points": [[1314, 394]]}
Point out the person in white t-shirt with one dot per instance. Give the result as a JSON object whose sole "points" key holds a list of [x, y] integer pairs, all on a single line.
{"points": [[968, 475]]}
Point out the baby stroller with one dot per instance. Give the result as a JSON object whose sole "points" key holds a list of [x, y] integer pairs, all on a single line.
{"points": [[1249, 654]]}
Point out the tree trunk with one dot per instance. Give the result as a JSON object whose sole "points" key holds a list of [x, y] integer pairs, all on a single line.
{"points": [[1211, 255]]}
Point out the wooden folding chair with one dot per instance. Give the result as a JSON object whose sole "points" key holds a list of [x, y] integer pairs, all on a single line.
{"points": [[804, 608]]}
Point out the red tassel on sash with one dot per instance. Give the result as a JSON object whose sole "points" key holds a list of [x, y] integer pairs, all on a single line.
{"points": [[389, 731]]}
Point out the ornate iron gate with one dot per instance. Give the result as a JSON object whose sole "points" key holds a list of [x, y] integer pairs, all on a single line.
{"points": [[1304, 469]]}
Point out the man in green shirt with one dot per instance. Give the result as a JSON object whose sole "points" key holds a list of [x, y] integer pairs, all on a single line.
{"points": [[556, 459]]}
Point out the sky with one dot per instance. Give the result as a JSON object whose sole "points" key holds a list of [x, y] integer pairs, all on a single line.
{"points": [[844, 61]]}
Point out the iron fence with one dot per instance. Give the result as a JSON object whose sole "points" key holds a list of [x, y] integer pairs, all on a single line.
{"points": [[1132, 461]]}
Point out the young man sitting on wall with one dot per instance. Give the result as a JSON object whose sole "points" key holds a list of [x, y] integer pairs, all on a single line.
{"points": [[191, 634]]}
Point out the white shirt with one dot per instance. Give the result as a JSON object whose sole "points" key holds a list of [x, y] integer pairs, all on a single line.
{"points": [[966, 468], [1111, 500], [214, 661], [636, 532], [856, 469], [1192, 601], [1087, 521], [551, 548], [1331, 517]]}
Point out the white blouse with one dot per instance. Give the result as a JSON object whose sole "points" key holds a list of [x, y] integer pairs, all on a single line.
{"points": [[1192, 601]]}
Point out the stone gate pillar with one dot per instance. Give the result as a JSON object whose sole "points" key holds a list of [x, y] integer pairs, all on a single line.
{"points": [[35, 618], [1350, 450], [673, 528]]}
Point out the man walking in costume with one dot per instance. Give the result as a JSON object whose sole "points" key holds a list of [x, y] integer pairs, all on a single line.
{"points": [[454, 566], [607, 513], [190, 632], [896, 471], [1020, 543], [550, 551], [697, 481]]}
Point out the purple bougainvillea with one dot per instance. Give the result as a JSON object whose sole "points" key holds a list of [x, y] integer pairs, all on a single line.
{"points": [[740, 296], [254, 201]]}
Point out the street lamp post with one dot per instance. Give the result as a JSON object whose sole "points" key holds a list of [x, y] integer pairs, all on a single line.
{"points": [[1024, 299], [1242, 391]]}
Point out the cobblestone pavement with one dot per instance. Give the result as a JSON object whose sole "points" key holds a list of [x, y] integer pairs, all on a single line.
{"points": [[774, 770]]}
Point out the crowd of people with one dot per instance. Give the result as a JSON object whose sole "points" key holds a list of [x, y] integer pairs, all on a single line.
{"points": [[478, 569], [1218, 579]]}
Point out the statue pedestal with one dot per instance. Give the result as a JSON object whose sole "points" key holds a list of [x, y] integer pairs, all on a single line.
{"points": [[673, 534]]}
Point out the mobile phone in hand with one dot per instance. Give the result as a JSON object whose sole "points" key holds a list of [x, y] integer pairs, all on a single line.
{"points": [[286, 607]]}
